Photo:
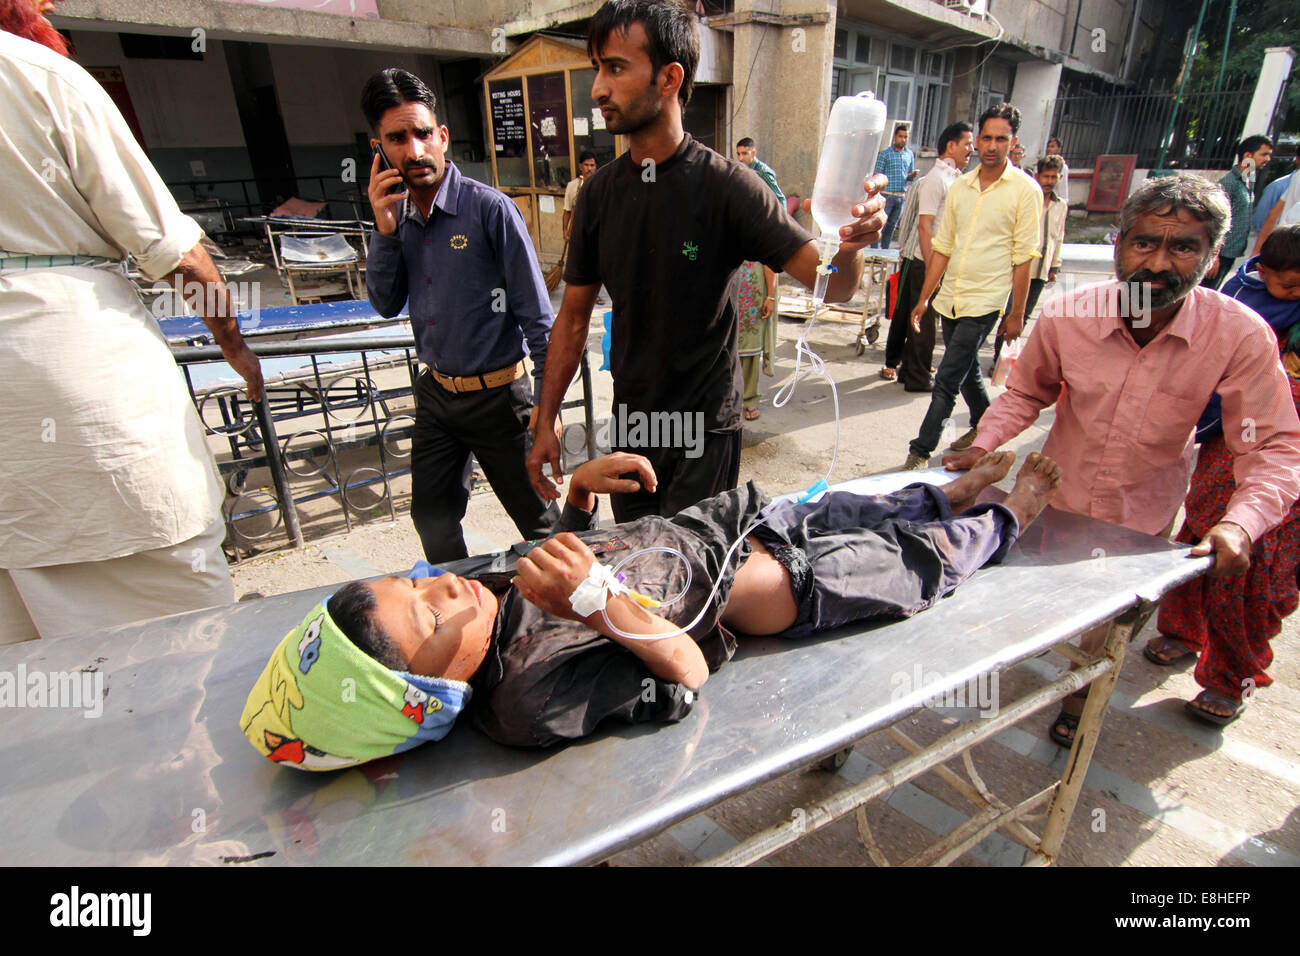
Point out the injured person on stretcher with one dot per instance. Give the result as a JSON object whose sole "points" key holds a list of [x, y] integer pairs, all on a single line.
{"points": [[381, 667]]}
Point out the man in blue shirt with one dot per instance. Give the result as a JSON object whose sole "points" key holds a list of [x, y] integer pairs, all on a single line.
{"points": [[459, 251], [897, 163], [1272, 193]]}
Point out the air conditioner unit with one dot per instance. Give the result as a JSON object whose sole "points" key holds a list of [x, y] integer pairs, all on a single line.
{"points": [[976, 8]]}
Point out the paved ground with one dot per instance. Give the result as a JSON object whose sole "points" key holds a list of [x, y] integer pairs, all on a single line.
{"points": [[1162, 790]]}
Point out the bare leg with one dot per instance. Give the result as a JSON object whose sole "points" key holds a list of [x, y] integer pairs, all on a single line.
{"points": [[762, 601], [989, 470]]}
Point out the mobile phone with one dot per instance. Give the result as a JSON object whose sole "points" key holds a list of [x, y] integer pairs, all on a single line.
{"points": [[377, 150]]}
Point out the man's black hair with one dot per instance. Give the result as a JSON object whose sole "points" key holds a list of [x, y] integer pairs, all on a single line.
{"points": [[393, 87], [1251, 144], [1002, 111], [670, 35], [747, 143], [352, 608], [1050, 162], [900, 128], [585, 155], [1057, 141], [1281, 250], [951, 134]]}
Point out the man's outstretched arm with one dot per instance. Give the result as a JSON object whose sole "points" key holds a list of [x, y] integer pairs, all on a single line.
{"points": [[1263, 434], [854, 237], [197, 276], [1034, 384]]}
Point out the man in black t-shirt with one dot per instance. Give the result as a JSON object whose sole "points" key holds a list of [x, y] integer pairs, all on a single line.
{"points": [[664, 227]]}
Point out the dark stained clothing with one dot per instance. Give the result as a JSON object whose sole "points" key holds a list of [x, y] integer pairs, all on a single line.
{"points": [[850, 557]]}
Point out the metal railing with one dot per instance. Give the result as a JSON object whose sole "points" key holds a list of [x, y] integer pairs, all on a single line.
{"points": [[1205, 134], [239, 197], [329, 410]]}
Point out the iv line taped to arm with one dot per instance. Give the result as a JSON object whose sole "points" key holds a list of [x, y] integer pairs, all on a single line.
{"points": [[816, 366]]}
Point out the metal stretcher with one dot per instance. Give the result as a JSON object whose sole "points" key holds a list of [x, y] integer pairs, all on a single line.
{"points": [[165, 776], [878, 266], [284, 323]]}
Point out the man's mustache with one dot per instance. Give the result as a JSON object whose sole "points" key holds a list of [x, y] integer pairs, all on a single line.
{"points": [[1146, 275]]}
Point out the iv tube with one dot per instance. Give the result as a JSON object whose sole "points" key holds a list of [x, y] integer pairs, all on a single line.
{"points": [[759, 519]]}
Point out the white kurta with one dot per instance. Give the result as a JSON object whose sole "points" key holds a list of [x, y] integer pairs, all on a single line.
{"points": [[101, 451]]}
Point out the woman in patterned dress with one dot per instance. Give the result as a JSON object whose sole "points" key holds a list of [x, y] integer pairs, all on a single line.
{"points": [[756, 310], [1229, 621]]}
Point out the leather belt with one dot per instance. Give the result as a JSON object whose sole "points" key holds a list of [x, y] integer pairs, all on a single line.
{"points": [[475, 383]]}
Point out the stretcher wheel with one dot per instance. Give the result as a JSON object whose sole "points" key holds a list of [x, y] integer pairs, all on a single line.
{"points": [[860, 346], [835, 761], [237, 482]]}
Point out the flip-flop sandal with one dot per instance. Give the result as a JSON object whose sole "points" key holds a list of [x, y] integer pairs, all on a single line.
{"points": [[1219, 720], [1166, 644], [888, 374], [752, 414], [1070, 722]]}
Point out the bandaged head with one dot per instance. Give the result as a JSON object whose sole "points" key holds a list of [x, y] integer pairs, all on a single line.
{"points": [[321, 703]]}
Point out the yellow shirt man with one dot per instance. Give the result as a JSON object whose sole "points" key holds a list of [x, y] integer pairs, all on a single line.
{"points": [[989, 230], [986, 233]]}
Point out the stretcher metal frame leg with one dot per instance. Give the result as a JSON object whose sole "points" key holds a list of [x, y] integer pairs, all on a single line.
{"points": [[875, 275], [992, 813]]}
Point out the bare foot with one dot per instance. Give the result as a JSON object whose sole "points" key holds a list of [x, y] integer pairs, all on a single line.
{"points": [[988, 470], [1036, 484]]}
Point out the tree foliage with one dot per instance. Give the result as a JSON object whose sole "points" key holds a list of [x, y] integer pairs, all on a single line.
{"points": [[1258, 25]]}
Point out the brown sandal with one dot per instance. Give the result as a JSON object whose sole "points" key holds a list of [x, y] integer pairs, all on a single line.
{"points": [[1158, 650], [1197, 709]]}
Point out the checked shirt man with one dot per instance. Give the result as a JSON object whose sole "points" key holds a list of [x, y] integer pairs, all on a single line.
{"points": [[898, 163], [459, 251]]}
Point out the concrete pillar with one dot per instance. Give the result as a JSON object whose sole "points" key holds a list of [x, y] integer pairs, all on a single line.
{"points": [[780, 92], [748, 89], [965, 89], [1268, 88], [1034, 95]]}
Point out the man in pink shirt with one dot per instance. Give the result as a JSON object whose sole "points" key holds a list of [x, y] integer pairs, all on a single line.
{"points": [[1130, 366]]}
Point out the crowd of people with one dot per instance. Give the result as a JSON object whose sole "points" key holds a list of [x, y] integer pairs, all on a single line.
{"points": [[108, 492]]}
